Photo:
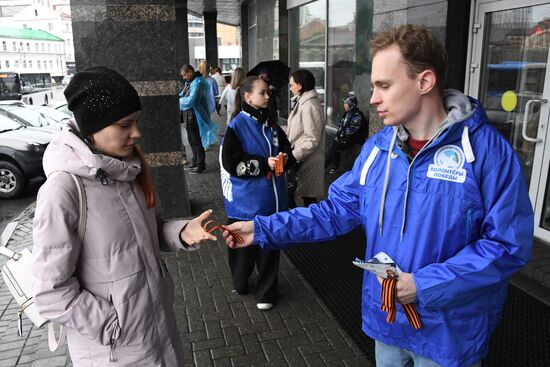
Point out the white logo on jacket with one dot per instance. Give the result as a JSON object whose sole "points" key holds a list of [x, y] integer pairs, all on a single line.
{"points": [[448, 163]]}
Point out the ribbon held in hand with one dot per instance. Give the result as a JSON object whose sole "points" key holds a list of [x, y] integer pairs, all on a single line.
{"points": [[211, 225], [389, 297], [279, 166]]}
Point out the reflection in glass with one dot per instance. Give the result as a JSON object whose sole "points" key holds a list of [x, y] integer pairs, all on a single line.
{"points": [[348, 63], [515, 55], [545, 218], [307, 41]]}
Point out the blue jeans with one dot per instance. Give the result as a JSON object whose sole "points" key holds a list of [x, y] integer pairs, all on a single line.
{"points": [[390, 356]]}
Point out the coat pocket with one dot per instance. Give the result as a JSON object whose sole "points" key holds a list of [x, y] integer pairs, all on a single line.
{"points": [[123, 274]]}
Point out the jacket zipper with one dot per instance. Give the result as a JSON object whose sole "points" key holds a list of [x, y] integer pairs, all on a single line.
{"points": [[272, 176]]}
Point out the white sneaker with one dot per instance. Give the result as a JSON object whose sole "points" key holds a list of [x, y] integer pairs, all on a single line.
{"points": [[264, 306]]}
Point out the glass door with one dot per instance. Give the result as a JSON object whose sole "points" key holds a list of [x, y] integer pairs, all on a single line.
{"points": [[508, 74]]}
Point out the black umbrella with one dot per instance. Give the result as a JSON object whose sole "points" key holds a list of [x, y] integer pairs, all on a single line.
{"points": [[276, 70]]}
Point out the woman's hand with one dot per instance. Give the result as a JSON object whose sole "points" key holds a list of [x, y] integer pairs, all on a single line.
{"points": [[244, 229], [193, 233]]}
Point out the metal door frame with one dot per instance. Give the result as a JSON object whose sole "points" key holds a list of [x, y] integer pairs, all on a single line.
{"points": [[541, 159]]}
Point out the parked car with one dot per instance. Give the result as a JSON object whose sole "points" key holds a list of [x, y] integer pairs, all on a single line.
{"points": [[63, 107], [66, 80], [21, 150], [37, 116]]}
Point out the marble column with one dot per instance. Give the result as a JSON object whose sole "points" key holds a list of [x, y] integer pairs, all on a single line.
{"points": [[182, 33], [138, 40], [211, 37]]}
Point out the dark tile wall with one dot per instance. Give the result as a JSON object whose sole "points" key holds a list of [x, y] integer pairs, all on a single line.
{"points": [[138, 39]]}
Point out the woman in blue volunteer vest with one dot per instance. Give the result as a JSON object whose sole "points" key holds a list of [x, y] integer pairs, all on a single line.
{"points": [[248, 158]]}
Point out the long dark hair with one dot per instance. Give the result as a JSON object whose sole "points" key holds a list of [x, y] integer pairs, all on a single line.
{"points": [[247, 85]]}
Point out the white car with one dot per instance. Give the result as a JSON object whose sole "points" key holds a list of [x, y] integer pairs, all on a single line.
{"points": [[66, 80]]}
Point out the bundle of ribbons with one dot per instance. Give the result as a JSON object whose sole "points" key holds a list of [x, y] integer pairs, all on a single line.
{"points": [[389, 298], [279, 166], [212, 225]]}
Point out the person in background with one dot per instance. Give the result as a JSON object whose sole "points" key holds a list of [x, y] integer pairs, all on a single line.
{"points": [[201, 131], [220, 81], [306, 133], [228, 95], [442, 193], [212, 90], [273, 95], [103, 288], [251, 185], [348, 129]]}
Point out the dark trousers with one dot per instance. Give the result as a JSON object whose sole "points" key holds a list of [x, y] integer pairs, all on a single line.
{"points": [[333, 155], [194, 137], [241, 263]]}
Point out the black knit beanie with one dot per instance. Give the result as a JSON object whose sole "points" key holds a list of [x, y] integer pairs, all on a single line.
{"points": [[99, 97]]}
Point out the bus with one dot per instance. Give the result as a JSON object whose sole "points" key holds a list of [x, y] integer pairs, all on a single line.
{"points": [[31, 88]]}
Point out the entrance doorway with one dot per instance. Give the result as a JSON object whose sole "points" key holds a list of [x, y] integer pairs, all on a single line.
{"points": [[508, 73]]}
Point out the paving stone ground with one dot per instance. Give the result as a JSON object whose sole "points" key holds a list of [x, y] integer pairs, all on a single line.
{"points": [[218, 327]]}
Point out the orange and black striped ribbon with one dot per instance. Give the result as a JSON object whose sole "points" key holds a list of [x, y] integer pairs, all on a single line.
{"points": [[211, 225], [389, 296]]}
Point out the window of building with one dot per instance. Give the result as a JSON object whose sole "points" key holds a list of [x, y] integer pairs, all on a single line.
{"points": [[4, 46], [37, 64], [51, 64], [36, 47], [348, 69], [24, 26], [16, 63], [50, 26], [43, 49], [14, 46], [49, 48], [35, 12], [252, 33], [30, 64], [25, 64], [21, 47], [307, 37], [28, 47]]}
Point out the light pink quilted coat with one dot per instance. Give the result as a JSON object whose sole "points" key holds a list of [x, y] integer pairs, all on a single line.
{"points": [[112, 291]]}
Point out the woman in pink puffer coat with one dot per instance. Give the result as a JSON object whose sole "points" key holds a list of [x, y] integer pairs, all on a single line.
{"points": [[111, 291]]}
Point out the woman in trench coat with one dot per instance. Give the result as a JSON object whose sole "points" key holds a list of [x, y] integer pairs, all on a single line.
{"points": [[306, 133], [111, 291]]}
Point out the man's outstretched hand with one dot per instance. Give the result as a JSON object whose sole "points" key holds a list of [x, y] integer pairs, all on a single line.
{"points": [[244, 229]]}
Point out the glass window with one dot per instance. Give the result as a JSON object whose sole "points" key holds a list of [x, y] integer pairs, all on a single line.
{"points": [[348, 66], [4, 46], [545, 218], [28, 47], [7, 63], [307, 41], [37, 64], [30, 64], [514, 63], [14, 46], [252, 34]]}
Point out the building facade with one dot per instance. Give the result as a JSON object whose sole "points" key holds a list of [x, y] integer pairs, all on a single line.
{"points": [[31, 51]]}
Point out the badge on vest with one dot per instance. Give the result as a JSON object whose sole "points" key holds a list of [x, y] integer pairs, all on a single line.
{"points": [[447, 166]]}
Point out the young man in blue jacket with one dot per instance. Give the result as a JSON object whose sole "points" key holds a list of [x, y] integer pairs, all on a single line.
{"points": [[441, 192]]}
